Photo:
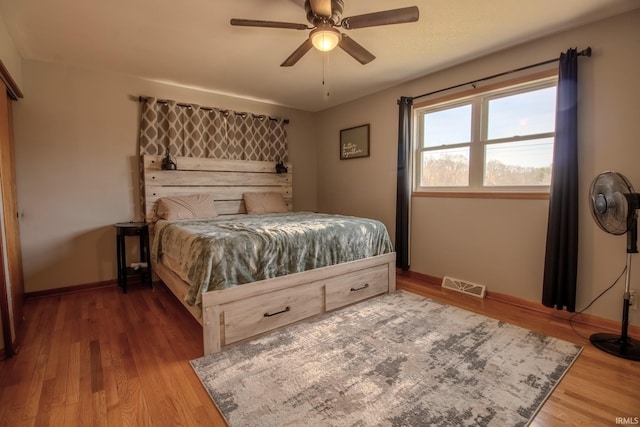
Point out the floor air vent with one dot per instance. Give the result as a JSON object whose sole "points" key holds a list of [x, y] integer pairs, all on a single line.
{"points": [[464, 287]]}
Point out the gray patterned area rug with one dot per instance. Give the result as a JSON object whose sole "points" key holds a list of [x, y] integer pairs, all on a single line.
{"points": [[395, 360]]}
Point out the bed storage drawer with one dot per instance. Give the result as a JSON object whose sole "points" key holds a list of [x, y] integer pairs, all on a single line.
{"points": [[356, 286], [262, 313]]}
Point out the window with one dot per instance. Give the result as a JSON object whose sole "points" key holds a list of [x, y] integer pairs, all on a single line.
{"points": [[498, 140]]}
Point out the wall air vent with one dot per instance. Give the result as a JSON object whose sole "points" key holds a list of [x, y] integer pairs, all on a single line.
{"points": [[464, 287]]}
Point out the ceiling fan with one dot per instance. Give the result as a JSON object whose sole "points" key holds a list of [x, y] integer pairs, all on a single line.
{"points": [[325, 18]]}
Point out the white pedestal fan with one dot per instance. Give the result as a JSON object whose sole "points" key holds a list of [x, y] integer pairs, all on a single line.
{"points": [[614, 205]]}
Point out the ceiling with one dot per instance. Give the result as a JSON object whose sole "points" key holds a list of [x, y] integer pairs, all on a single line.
{"points": [[191, 43]]}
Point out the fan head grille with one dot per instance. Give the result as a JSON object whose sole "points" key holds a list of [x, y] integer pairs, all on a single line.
{"points": [[613, 202]]}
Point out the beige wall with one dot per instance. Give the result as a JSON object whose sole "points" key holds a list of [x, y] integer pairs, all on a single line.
{"points": [[76, 134], [9, 54], [500, 243]]}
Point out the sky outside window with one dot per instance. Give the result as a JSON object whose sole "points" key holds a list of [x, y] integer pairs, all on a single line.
{"points": [[522, 114], [451, 126]]}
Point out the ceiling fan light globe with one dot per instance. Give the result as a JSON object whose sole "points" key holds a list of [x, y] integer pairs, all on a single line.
{"points": [[325, 40]]}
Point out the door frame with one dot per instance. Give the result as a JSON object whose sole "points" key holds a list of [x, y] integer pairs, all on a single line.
{"points": [[13, 92], [5, 317]]}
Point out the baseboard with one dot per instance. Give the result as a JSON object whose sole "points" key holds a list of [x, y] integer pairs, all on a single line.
{"points": [[427, 279], [423, 279], [581, 318], [71, 289]]}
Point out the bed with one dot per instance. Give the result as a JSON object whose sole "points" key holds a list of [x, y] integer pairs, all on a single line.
{"points": [[241, 300]]}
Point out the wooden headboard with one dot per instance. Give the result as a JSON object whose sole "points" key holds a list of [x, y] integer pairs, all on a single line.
{"points": [[227, 180]]}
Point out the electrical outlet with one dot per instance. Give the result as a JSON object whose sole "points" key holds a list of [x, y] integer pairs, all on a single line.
{"points": [[633, 299]]}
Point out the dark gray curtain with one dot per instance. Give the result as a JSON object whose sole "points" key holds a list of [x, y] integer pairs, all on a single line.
{"points": [[403, 195], [561, 258]]}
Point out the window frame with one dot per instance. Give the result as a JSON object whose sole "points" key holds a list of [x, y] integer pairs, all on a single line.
{"points": [[479, 99]]}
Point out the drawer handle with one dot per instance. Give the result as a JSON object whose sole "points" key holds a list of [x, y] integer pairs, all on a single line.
{"points": [[365, 286], [278, 312]]}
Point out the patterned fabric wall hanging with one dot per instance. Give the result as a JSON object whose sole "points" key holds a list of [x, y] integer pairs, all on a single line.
{"points": [[195, 131]]}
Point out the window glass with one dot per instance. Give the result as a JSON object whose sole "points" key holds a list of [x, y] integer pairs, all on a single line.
{"points": [[522, 114], [519, 163], [445, 168], [450, 126]]}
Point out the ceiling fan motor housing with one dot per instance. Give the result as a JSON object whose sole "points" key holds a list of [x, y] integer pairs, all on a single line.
{"points": [[336, 13]]}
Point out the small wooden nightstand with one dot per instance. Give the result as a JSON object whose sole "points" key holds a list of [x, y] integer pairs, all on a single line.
{"points": [[142, 268]]}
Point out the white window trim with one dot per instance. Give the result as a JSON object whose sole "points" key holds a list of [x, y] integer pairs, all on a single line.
{"points": [[478, 141]]}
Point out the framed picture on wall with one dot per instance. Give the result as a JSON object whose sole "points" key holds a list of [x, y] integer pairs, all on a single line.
{"points": [[354, 142]]}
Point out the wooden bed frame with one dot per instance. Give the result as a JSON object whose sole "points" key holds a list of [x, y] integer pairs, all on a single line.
{"points": [[241, 312]]}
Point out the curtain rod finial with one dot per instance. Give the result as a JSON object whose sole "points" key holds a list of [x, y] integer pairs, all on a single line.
{"points": [[586, 52]]}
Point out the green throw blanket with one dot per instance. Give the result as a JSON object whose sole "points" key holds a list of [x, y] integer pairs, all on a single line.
{"points": [[231, 250]]}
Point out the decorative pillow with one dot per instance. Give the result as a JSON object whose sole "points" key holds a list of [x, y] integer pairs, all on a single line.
{"points": [[261, 203], [192, 206]]}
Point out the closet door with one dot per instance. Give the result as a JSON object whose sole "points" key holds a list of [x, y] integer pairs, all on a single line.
{"points": [[13, 283]]}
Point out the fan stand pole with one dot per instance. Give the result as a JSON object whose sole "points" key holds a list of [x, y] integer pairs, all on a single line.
{"points": [[622, 345]]}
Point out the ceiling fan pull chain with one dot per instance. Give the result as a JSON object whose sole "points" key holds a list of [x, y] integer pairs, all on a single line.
{"points": [[325, 74]]}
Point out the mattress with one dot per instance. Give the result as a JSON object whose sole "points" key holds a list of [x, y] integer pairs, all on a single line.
{"points": [[232, 250]]}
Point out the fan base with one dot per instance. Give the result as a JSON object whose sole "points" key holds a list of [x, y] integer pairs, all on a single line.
{"points": [[613, 344]]}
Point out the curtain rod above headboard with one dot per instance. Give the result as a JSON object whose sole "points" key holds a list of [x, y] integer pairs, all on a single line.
{"points": [[242, 113], [584, 52]]}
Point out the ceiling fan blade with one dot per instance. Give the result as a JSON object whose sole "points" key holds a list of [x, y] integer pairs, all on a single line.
{"points": [[321, 7], [387, 17], [268, 24], [297, 54], [354, 49]]}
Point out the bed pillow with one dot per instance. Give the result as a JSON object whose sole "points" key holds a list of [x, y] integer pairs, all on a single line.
{"points": [[261, 203], [192, 206]]}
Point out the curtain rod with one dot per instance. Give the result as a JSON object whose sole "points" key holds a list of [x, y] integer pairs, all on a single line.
{"points": [[226, 112], [584, 52]]}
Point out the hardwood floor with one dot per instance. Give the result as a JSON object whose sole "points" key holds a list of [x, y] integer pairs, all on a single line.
{"points": [[103, 358]]}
